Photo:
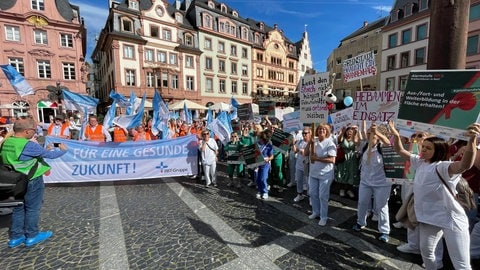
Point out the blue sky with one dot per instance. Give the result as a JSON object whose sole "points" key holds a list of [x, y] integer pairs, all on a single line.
{"points": [[327, 21]]}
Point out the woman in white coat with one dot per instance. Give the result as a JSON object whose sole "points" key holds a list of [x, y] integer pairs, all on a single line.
{"points": [[437, 212]]}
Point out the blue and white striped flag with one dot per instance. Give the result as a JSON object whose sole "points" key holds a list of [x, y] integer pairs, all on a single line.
{"points": [[131, 107], [120, 99], [233, 107], [81, 103], [161, 114], [18, 82], [108, 120], [133, 120], [187, 114]]}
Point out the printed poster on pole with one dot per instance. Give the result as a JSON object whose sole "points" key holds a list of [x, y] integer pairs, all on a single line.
{"points": [[312, 89], [441, 102]]}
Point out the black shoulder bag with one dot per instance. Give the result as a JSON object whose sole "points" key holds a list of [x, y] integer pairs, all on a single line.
{"points": [[12, 183]]}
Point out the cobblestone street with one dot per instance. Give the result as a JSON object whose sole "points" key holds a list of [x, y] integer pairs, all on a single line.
{"points": [[177, 223]]}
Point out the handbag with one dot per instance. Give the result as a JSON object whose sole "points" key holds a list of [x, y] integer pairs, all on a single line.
{"points": [[464, 195], [12, 183], [406, 213]]}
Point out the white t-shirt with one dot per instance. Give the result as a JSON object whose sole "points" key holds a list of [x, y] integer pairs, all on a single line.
{"points": [[433, 203], [322, 170], [209, 155]]}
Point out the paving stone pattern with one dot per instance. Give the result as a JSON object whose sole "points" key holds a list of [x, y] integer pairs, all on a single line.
{"points": [[178, 223]]}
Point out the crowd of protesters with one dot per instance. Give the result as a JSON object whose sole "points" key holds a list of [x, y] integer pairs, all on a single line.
{"points": [[310, 166]]}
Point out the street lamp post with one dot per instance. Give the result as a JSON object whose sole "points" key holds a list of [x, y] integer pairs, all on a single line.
{"points": [[55, 94]]}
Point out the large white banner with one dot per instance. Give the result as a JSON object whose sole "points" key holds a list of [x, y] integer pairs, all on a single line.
{"points": [[97, 161]]}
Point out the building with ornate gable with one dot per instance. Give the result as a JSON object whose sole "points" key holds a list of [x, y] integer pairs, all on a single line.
{"points": [[45, 41], [201, 50], [147, 45]]}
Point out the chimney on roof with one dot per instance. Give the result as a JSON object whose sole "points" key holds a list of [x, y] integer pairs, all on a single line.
{"points": [[365, 23], [275, 26]]}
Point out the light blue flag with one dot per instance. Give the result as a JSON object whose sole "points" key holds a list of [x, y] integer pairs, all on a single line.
{"points": [[18, 82], [81, 103], [233, 107], [225, 121], [209, 121], [196, 116], [187, 113], [120, 99], [160, 114], [134, 120], [131, 106], [108, 120]]}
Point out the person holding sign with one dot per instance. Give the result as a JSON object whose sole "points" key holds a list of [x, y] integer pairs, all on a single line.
{"points": [[266, 150], [321, 152], [373, 183], [232, 150], [346, 172], [437, 211]]}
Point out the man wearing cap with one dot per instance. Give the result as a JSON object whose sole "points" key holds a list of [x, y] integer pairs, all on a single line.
{"points": [[59, 128], [25, 155]]}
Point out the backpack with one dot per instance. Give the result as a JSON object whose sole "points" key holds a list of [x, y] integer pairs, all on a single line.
{"points": [[465, 196]]}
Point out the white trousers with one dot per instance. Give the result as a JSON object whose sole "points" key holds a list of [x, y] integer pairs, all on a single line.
{"points": [[209, 171], [380, 199], [458, 245]]}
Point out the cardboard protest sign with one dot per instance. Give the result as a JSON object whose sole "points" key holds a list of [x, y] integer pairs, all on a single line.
{"points": [[245, 112], [267, 108], [281, 140], [312, 89], [342, 119], [394, 165], [376, 106], [441, 102], [291, 122], [360, 66], [234, 153], [253, 156]]}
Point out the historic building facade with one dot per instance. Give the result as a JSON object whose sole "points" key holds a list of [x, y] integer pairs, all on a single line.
{"points": [[201, 50], [274, 64], [367, 38], [145, 46], [224, 39], [405, 43], [45, 41]]}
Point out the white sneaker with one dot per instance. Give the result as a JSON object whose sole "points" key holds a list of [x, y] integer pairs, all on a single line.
{"points": [[322, 222], [265, 196], [374, 217], [291, 184], [299, 198], [259, 196], [313, 216], [406, 248]]}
